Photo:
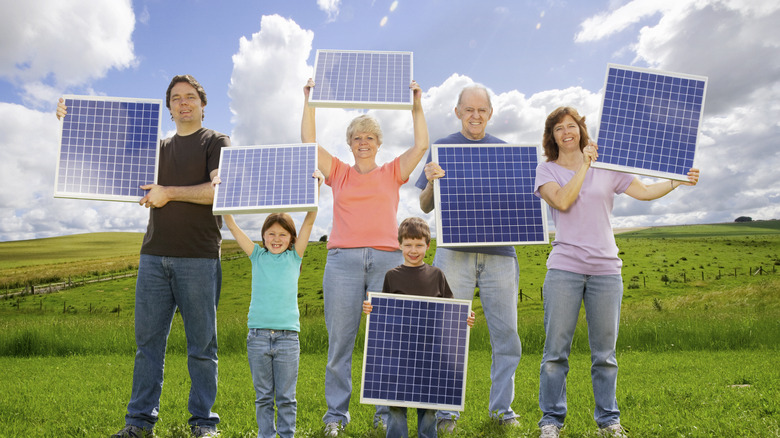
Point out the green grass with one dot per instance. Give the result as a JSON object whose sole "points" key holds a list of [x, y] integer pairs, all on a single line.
{"points": [[697, 394], [698, 316]]}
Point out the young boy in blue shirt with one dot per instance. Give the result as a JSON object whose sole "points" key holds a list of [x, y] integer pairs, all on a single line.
{"points": [[414, 277]]}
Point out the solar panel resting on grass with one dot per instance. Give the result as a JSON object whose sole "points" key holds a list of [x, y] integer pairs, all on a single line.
{"points": [[486, 196], [362, 79], [416, 352], [108, 148], [265, 179], [650, 121]]}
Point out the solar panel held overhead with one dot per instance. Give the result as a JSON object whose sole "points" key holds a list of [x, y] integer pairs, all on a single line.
{"points": [[650, 121], [416, 352], [109, 147], [266, 179], [362, 79], [486, 196]]}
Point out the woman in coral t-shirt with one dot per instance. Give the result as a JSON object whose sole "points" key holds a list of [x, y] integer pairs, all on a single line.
{"points": [[363, 243]]}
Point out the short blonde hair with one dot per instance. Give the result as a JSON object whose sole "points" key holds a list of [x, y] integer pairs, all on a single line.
{"points": [[364, 123]]}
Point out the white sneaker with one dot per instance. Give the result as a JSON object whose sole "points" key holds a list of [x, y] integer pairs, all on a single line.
{"points": [[613, 430], [333, 429], [549, 431]]}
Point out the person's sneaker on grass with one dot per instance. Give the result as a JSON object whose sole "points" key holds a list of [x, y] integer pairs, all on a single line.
{"points": [[509, 422], [446, 425], [204, 431], [333, 429], [613, 430], [549, 431], [133, 432]]}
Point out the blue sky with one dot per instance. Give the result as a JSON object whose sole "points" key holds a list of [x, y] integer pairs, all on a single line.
{"points": [[253, 58]]}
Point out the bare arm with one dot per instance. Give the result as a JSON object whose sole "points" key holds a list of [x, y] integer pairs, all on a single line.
{"points": [[158, 196], [243, 240], [561, 198], [432, 172], [308, 222], [309, 132], [639, 190], [414, 154]]}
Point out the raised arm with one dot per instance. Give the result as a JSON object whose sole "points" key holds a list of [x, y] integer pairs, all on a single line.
{"points": [[561, 198], [641, 191], [308, 222], [414, 154], [241, 238], [309, 132]]}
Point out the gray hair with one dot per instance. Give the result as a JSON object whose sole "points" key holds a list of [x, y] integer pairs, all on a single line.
{"points": [[475, 86]]}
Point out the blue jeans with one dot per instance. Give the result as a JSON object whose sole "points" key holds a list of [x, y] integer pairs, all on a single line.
{"points": [[397, 426], [165, 283], [273, 359], [349, 274], [497, 278], [564, 293]]}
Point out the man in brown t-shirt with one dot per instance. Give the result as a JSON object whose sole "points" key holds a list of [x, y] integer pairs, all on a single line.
{"points": [[179, 266]]}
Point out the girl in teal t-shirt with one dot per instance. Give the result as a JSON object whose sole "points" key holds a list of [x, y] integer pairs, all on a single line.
{"points": [[272, 343]]}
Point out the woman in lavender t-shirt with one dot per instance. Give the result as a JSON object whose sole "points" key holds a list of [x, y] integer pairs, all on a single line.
{"points": [[583, 266]]}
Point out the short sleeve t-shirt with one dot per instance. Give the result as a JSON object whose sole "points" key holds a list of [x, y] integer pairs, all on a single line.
{"points": [[184, 229], [365, 206], [459, 138], [274, 303], [424, 280], [584, 242]]}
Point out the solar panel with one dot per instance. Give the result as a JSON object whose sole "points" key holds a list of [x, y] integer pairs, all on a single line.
{"points": [[416, 352], [108, 148], [362, 79], [486, 196], [650, 121], [265, 179]]}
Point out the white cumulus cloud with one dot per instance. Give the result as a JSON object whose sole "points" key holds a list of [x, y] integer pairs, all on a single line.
{"points": [[46, 45]]}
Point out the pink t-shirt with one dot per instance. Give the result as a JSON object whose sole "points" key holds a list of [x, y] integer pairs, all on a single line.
{"points": [[584, 241], [365, 206]]}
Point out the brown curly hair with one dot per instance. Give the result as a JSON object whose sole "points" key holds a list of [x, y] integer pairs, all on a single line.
{"points": [[555, 117]]}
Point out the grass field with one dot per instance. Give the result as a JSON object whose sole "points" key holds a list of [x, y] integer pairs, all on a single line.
{"points": [[681, 393], [699, 342]]}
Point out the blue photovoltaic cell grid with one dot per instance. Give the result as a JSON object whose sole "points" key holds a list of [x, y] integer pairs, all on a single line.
{"points": [[486, 196], [416, 352], [650, 121], [264, 179], [357, 79], [108, 148]]}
